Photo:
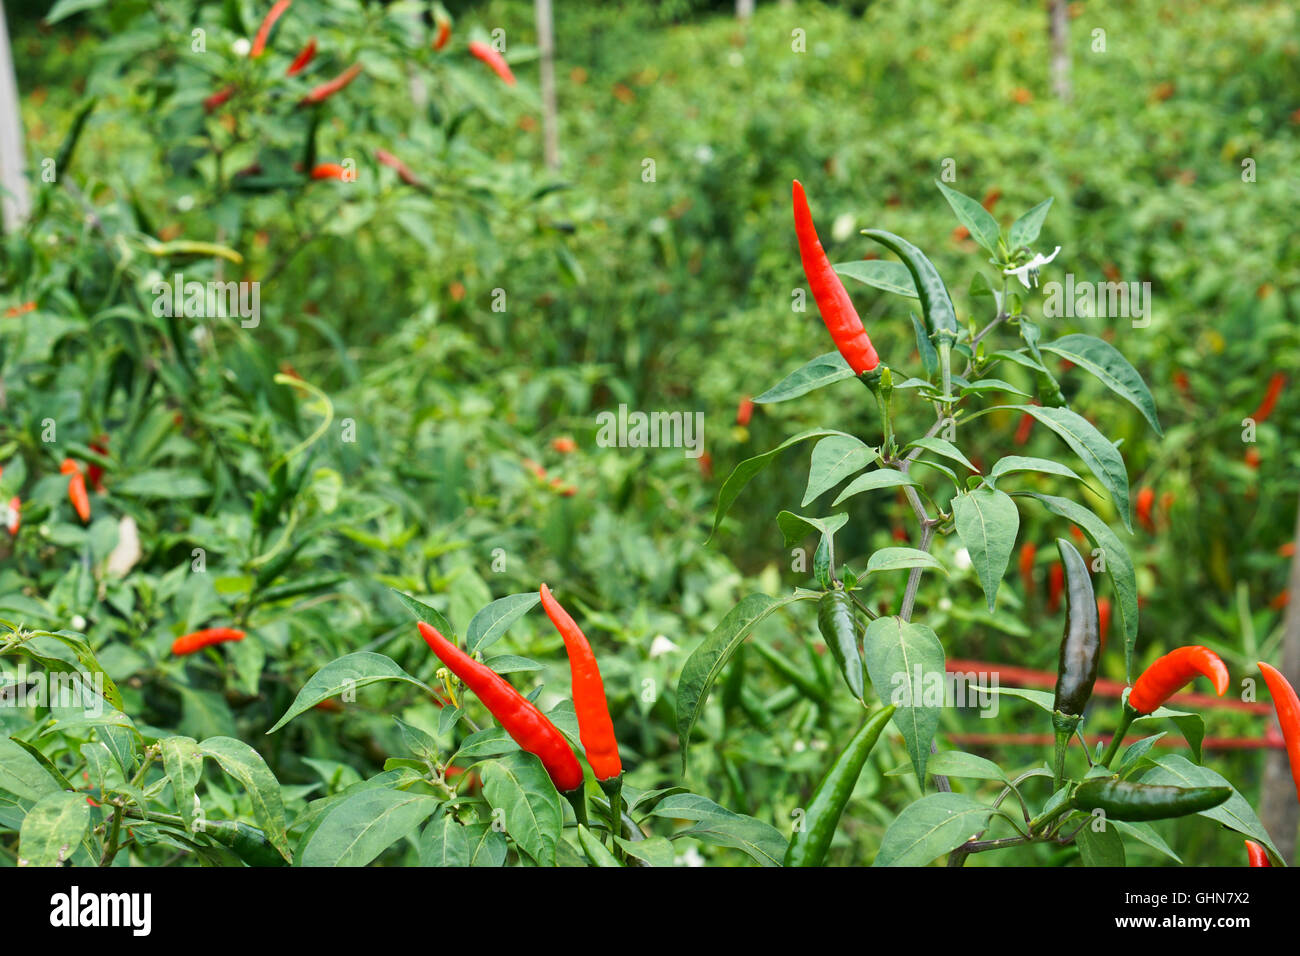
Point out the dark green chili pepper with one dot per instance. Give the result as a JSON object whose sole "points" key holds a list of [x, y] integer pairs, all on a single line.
{"points": [[1080, 650], [248, 843], [1122, 800], [809, 844], [936, 304], [809, 687], [839, 627]]}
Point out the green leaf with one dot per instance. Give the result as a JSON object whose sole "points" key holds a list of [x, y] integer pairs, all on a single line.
{"points": [[246, 765], [347, 673], [1014, 463], [1191, 726], [361, 826], [924, 347], [1119, 566], [1110, 366], [883, 274], [1100, 848], [1235, 813], [905, 663], [945, 448], [163, 483], [878, 478], [1025, 229], [1040, 698], [1101, 457], [991, 385], [596, 851], [931, 827], [956, 763], [22, 774], [66, 8], [183, 764], [895, 559], [747, 469], [795, 527], [987, 521], [722, 827], [823, 370], [517, 784], [708, 660], [427, 614], [656, 851], [1146, 834], [491, 623], [833, 460], [983, 227], [53, 828], [1136, 751]]}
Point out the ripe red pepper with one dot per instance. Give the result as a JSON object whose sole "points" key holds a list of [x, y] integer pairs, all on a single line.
{"points": [[564, 445], [1275, 385], [744, 411], [302, 59], [529, 727], [14, 518], [1028, 552], [492, 58], [323, 92], [217, 98], [94, 472], [1256, 854], [595, 728], [264, 31], [1055, 585], [444, 32], [1287, 706], [1103, 619], [76, 488], [330, 171], [189, 643], [828, 291], [1024, 428], [706, 466], [16, 310], [1170, 673], [392, 162], [1252, 458], [1146, 498]]}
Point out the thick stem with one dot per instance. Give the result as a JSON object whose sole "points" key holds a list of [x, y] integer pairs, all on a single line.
{"points": [[1126, 718]]}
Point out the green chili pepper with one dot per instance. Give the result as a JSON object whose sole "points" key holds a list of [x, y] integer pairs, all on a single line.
{"points": [[1080, 651], [810, 687], [809, 844], [839, 627], [248, 843], [936, 304], [1122, 800]]}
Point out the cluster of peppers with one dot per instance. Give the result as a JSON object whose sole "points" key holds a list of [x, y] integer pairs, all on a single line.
{"points": [[1082, 641], [533, 731]]}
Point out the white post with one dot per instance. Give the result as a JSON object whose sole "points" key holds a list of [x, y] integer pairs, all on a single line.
{"points": [[550, 113], [15, 201]]}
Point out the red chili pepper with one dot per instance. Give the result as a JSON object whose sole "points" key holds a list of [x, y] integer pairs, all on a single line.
{"points": [[706, 466], [493, 59], [564, 445], [1256, 854], [392, 162], [217, 98], [1274, 392], [78, 496], [16, 310], [832, 300], [1103, 619], [1280, 600], [1167, 500], [1055, 585], [1182, 382], [302, 59], [196, 641], [264, 31], [330, 171], [1252, 458], [744, 411], [529, 727], [1075, 530], [1146, 498], [323, 92], [1028, 552], [1170, 673], [1024, 428], [1287, 706], [14, 517], [595, 728], [444, 33], [94, 472]]}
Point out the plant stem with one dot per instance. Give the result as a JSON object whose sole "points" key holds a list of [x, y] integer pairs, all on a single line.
{"points": [[1126, 718]]}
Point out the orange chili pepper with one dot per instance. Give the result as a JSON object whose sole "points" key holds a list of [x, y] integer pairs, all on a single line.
{"points": [[1168, 674], [1256, 854], [302, 59], [323, 92], [264, 31], [196, 641], [1145, 499], [744, 411], [1287, 706], [493, 59]]}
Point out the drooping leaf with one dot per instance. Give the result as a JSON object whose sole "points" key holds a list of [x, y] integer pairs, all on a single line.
{"points": [[987, 521]]}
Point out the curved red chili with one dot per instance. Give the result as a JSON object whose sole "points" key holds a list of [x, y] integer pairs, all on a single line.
{"points": [[1287, 706], [492, 58], [529, 727], [1256, 854], [1028, 554], [1171, 673], [1275, 385], [392, 162], [828, 291], [189, 643], [302, 59], [595, 727], [264, 31], [323, 92], [14, 518], [444, 33], [1103, 619], [76, 488], [1146, 498]]}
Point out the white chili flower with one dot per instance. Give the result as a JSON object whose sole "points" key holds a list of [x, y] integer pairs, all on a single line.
{"points": [[962, 558], [1030, 268], [660, 646], [241, 47]]}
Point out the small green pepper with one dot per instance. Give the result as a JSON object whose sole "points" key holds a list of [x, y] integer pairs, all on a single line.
{"points": [[839, 627], [1122, 800]]}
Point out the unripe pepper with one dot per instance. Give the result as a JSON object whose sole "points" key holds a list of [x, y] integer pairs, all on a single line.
{"points": [[1080, 651], [829, 293], [527, 725], [492, 58], [323, 92], [1170, 673], [595, 728], [809, 844], [1123, 800], [264, 31], [839, 627], [196, 641], [302, 59], [1287, 706], [1256, 854]]}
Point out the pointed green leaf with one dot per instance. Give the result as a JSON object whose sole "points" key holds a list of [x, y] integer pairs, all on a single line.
{"points": [[931, 827], [833, 460], [823, 370], [490, 624], [883, 274], [987, 521], [1102, 458], [981, 224], [347, 673], [1110, 366], [879, 478], [1025, 229], [905, 664]]}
